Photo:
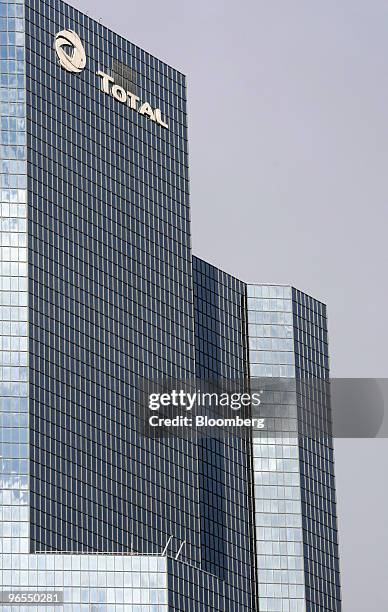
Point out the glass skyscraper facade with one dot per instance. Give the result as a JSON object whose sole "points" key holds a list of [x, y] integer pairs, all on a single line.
{"points": [[295, 507], [110, 294], [226, 510], [99, 290]]}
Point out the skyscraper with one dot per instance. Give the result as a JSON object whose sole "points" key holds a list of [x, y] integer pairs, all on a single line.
{"points": [[295, 508], [99, 289]]}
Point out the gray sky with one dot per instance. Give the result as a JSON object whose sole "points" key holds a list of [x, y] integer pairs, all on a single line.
{"points": [[288, 106]]}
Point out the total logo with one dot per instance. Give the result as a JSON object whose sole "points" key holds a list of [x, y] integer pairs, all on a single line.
{"points": [[72, 57], [75, 59]]}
